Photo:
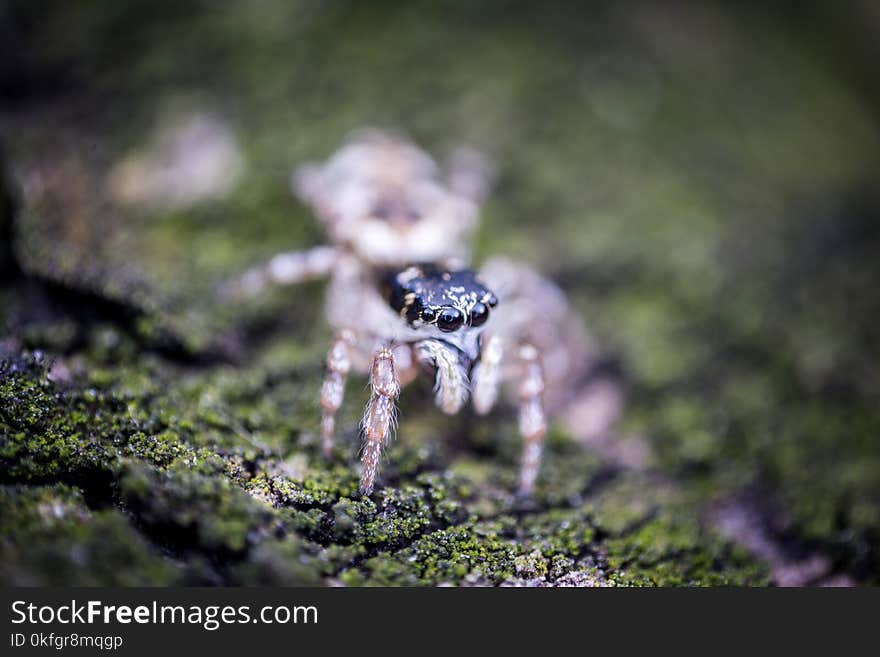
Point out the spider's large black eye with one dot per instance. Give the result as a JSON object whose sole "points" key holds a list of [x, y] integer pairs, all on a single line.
{"points": [[450, 319], [479, 314], [429, 315]]}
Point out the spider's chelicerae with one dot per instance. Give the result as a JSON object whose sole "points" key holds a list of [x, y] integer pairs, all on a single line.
{"points": [[402, 298]]}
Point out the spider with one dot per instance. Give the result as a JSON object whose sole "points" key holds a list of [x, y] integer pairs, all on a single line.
{"points": [[402, 298]]}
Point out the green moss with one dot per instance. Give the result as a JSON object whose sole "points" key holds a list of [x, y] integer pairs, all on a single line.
{"points": [[444, 556], [50, 537]]}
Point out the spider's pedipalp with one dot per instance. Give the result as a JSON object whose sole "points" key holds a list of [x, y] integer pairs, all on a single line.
{"points": [[451, 379], [486, 375], [380, 414]]}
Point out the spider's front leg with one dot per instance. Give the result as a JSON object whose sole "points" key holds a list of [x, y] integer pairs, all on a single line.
{"points": [[451, 379], [379, 417], [286, 268], [532, 419]]}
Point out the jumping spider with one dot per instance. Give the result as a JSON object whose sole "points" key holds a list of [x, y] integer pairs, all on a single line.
{"points": [[401, 296]]}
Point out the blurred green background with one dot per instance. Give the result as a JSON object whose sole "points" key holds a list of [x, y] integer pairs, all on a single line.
{"points": [[701, 179]]}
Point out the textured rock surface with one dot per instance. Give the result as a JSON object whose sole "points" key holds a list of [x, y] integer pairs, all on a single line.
{"points": [[715, 218]]}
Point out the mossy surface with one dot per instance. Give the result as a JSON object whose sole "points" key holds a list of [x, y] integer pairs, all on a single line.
{"points": [[714, 219]]}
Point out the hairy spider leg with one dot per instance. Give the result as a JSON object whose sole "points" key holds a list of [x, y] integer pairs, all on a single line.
{"points": [[380, 414], [287, 268], [532, 420], [333, 388]]}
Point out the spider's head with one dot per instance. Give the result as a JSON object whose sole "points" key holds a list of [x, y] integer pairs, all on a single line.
{"points": [[427, 297]]}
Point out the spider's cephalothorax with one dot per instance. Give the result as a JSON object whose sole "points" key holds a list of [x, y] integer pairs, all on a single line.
{"points": [[427, 296], [387, 204], [445, 303]]}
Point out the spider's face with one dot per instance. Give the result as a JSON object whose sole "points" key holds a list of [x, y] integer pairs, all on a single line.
{"points": [[446, 301]]}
